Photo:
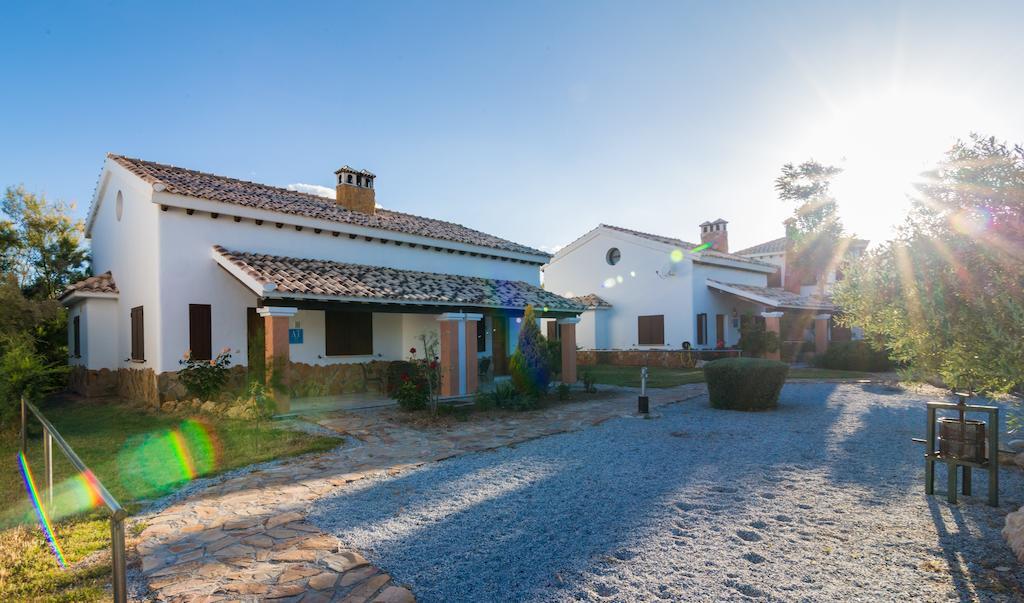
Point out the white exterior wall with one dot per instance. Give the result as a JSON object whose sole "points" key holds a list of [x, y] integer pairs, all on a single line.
{"points": [[162, 260], [129, 248], [98, 338], [712, 302], [642, 290]]}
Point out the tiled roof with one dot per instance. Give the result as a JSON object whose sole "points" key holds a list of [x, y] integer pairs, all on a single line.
{"points": [[591, 301], [779, 298], [101, 283], [323, 279], [202, 185], [685, 245], [773, 246]]}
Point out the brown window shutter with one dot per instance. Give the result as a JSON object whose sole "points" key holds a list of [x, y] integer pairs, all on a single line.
{"points": [[199, 331], [348, 333], [658, 329], [651, 329], [552, 330], [77, 332], [138, 334], [702, 329]]}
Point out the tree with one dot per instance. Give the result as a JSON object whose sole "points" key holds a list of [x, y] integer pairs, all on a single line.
{"points": [[40, 244], [814, 230], [529, 365], [947, 295]]}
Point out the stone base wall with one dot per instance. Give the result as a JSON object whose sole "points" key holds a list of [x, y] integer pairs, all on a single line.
{"points": [[680, 359], [92, 384], [312, 380], [138, 385]]}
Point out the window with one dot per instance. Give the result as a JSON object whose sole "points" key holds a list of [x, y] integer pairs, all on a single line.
{"points": [[138, 335], [76, 331], [613, 256], [481, 334], [348, 333], [651, 330], [199, 327], [702, 329], [119, 206]]}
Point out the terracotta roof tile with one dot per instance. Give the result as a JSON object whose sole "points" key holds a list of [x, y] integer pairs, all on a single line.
{"points": [[101, 283], [203, 185], [773, 246], [685, 245], [779, 298], [591, 301], [296, 278]]}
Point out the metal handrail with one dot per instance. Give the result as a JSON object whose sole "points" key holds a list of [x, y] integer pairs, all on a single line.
{"points": [[117, 512]]}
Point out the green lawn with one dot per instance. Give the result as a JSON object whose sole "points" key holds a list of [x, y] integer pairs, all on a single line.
{"points": [[629, 376], [133, 453]]}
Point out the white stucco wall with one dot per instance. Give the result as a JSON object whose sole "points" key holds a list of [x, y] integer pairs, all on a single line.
{"points": [[98, 337], [644, 282]]}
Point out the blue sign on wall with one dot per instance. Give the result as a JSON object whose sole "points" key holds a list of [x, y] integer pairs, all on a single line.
{"points": [[294, 335]]}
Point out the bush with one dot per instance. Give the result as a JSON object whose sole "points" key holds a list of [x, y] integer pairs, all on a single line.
{"points": [[529, 365], [25, 372], [204, 378], [745, 383], [412, 394], [564, 393], [505, 397], [398, 373], [553, 348], [853, 356]]}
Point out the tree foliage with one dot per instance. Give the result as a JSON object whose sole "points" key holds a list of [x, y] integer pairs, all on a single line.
{"points": [[947, 295], [530, 365], [814, 229], [40, 244]]}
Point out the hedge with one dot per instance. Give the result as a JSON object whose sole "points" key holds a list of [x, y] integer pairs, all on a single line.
{"points": [[853, 356], [745, 383]]}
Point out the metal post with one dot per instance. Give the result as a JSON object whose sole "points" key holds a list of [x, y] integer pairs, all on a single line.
{"points": [[993, 458], [48, 461], [643, 403], [929, 461], [120, 582], [951, 481], [24, 450]]}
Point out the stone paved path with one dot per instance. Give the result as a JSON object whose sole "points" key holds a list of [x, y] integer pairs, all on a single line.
{"points": [[246, 538]]}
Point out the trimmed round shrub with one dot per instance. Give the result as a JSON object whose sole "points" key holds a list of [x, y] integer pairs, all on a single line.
{"points": [[745, 383]]}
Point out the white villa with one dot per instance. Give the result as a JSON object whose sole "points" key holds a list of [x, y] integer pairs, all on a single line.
{"points": [[651, 292], [187, 260]]}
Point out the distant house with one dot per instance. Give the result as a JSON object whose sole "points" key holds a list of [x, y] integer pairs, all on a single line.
{"points": [[647, 291], [191, 261]]}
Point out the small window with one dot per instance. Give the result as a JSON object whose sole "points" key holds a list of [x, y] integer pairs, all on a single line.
{"points": [[119, 206], [348, 333], [613, 256], [702, 329], [76, 331], [138, 335], [651, 330], [199, 327], [348, 179]]}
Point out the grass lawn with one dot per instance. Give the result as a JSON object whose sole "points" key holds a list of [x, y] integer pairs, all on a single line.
{"points": [[629, 376], [131, 452]]}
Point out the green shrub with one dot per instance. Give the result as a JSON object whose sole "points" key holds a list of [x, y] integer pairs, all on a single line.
{"points": [[25, 372], [412, 394], [505, 397], [204, 378], [563, 391], [529, 365], [553, 348], [588, 382], [398, 372], [853, 356], [745, 383]]}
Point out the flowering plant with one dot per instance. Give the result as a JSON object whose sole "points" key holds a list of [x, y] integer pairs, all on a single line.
{"points": [[204, 378]]}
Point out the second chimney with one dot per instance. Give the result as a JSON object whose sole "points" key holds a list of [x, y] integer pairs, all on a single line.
{"points": [[715, 233], [355, 190]]}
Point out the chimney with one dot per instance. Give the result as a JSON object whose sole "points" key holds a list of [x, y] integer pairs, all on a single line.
{"points": [[715, 233], [355, 190]]}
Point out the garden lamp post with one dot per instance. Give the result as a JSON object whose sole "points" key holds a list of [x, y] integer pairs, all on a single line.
{"points": [[643, 406]]}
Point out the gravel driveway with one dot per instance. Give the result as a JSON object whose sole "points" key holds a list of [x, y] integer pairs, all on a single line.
{"points": [[820, 500]]}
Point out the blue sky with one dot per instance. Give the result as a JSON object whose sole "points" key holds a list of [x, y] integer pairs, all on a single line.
{"points": [[532, 121]]}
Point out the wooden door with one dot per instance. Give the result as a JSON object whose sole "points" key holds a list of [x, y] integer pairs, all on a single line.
{"points": [[255, 342], [719, 328], [499, 339]]}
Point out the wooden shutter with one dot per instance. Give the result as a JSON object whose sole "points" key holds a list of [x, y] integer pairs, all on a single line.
{"points": [[719, 328], [138, 334], [77, 332], [481, 335], [702, 329], [348, 333], [199, 327], [553, 330], [651, 330]]}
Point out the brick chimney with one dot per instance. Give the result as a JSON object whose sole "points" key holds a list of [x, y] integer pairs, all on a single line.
{"points": [[715, 233], [355, 190]]}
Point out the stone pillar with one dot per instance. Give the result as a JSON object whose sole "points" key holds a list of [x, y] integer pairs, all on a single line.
{"points": [[772, 324], [567, 335], [821, 333], [277, 353], [449, 356]]}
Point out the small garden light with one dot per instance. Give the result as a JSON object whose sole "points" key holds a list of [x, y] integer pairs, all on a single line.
{"points": [[643, 406]]}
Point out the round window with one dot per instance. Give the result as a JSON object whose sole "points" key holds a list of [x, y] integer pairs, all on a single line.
{"points": [[119, 206], [613, 256]]}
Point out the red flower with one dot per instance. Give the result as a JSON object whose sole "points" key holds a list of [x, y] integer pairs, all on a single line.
{"points": [[433, 364], [405, 378], [412, 350]]}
